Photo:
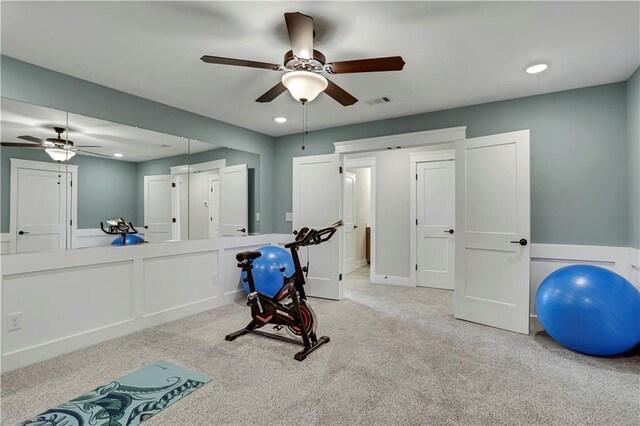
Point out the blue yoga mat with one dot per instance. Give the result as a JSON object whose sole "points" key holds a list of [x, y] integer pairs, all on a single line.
{"points": [[128, 400]]}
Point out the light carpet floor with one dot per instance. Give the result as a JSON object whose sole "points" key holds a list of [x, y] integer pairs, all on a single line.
{"points": [[396, 356]]}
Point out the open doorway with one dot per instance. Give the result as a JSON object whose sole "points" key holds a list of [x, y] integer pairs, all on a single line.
{"points": [[358, 218]]}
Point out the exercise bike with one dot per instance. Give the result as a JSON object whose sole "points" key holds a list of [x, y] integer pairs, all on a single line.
{"points": [[288, 307], [125, 230]]}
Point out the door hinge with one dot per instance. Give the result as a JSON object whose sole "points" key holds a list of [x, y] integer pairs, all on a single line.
{"points": [[416, 176], [173, 184], [416, 222], [71, 183], [71, 222], [173, 219], [340, 277], [416, 266], [340, 169]]}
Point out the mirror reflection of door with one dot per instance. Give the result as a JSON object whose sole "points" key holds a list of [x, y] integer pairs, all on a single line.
{"points": [[158, 208], [214, 206], [234, 204], [42, 202]]}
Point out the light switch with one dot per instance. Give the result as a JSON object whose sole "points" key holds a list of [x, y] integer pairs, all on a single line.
{"points": [[288, 216]]}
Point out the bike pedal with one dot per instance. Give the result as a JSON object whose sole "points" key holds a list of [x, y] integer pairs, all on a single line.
{"points": [[277, 327]]}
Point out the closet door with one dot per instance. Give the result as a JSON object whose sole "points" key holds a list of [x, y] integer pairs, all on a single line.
{"points": [[493, 231], [41, 210], [158, 219], [234, 201], [436, 219]]}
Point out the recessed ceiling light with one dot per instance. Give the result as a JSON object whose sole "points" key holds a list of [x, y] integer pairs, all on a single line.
{"points": [[537, 68], [118, 154], [280, 120]]}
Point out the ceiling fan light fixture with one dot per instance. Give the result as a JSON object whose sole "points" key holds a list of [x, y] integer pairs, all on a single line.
{"points": [[60, 154], [304, 86]]}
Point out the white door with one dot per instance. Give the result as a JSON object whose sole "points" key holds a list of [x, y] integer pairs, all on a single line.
{"points": [[436, 220], [234, 201], [180, 206], [157, 208], [199, 199], [317, 204], [349, 219], [214, 206], [492, 231], [41, 210]]}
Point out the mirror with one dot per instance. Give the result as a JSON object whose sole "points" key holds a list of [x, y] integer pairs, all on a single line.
{"points": [[165, 187]]}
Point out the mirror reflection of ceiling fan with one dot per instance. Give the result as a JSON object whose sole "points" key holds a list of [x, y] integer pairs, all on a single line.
{"points": [[58, 148], [304, 65]]}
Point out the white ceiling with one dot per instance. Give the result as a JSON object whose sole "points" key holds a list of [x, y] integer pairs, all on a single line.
{"points": [[457, 53], [135, 144]]}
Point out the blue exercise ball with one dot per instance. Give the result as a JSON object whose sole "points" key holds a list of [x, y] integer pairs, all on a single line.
{"points": [[266, 270], [590, 309], [131, 240]]}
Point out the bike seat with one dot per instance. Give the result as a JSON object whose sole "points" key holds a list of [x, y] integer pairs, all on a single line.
{"points": [[248, 255]]}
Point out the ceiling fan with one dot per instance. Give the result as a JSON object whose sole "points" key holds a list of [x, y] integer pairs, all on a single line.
{"points": [[304, 65], [58, 148]]}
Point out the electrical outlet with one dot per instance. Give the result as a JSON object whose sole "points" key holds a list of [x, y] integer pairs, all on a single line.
{"points": [[288, 216], [257, 216], [214, 278], [14, 321]]}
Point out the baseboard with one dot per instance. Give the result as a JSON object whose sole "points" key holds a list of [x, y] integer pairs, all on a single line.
{"points": [[46, 350], [392, 280], [360, 263]]}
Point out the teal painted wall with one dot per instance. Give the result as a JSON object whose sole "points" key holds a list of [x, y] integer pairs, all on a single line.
{"points": [[633, 139], [29, 83], [106, 188], [579, 191]]}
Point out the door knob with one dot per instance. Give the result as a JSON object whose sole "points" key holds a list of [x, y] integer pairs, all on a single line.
{"points": [[146, 227], [22, 233], [355, 226], [450, 231], [243, 230], [521, 241]]}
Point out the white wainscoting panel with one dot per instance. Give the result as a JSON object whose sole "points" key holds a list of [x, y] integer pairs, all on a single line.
{"points": [[634, 267], [174, 281], [65, 302], [84, 238], [71, 299]]}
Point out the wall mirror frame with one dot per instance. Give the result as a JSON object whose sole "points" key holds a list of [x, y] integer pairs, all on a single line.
{"points": [[167, 187]]}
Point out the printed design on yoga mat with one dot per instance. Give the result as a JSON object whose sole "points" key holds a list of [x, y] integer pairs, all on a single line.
{"points": [[126, 401]]}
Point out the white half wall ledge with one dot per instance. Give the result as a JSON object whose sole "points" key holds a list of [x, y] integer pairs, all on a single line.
{"points": [[402, 140], [136, 287]]}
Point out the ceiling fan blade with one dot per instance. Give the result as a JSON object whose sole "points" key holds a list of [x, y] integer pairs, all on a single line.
{"points": [[391, 63], [272, 93], [24, 145], [339, 94], [93, 153], [300, 28], [31, 139], [239, 62]]}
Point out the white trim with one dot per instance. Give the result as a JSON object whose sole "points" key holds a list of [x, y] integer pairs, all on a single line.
{"points": [[392, 280], [414, 159], [198, 167], [359, 162], [17, 163], [5, 240], [404, 140]]}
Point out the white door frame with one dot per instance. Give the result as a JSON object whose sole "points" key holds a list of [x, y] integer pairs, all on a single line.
{"points": [[415, 158], [16, 164], [361, 163]]}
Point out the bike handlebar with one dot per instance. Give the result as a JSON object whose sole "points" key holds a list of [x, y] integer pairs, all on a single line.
{"points": [[310, 237]]}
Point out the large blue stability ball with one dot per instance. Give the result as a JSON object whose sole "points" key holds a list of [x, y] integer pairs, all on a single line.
{"points": [[266, 270], [590, 309]]}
